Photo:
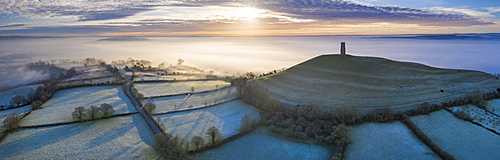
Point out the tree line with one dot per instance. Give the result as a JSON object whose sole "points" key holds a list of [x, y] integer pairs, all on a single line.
{"points": [[92, 112]]}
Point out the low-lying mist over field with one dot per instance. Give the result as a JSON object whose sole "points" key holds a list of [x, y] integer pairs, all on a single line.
{"points": [[256, 54]]}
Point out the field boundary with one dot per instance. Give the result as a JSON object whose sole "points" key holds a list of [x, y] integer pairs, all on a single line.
{"points": [[64, 123], [183, 80], [425, 139], [221, 142], [180, 94], [191, 109]]}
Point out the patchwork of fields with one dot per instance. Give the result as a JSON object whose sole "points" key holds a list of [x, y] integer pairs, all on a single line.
{"points": [[460, 138], [129, 137], [226, 117]]}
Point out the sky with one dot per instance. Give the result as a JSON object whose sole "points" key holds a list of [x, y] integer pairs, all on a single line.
{"points": [[246, 17]]}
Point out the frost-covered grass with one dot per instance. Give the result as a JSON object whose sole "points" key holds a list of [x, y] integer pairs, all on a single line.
{"points": [[386, 141], [127, 137], [480, 116], [63, 103], [259, 145], [226, 117], [169, 77], [494, 106], [88, 75], [165, 104], [460, 138], [171, 88], [89, 81], [96, 68], [5, 96]]}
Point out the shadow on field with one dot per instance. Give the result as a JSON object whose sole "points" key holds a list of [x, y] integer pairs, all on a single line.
{"points": [[37, 140]]}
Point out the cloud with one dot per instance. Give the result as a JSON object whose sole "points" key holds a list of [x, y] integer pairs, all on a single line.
{"points": [[12, 25], [101, 16], [493, 9], [83, 10], [346, 12], [469, 12]]}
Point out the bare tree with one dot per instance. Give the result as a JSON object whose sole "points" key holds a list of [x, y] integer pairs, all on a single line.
{"points": [[93, 112], [107, 109], [192, 89], [213, 134], [197, 141], [79, 113], [12, 122]]}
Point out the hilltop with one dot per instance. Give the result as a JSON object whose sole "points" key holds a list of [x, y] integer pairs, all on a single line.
{"points": [[367, 82]]}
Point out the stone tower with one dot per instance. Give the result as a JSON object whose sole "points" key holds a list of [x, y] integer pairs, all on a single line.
{"points": [[342, 48]]}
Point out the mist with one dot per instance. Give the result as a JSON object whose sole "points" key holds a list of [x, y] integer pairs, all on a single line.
{"points": [[255, 54]]}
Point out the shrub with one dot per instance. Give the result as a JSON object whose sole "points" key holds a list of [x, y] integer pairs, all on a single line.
{"points": [[149, 107], [36, 104], [247, 124]]}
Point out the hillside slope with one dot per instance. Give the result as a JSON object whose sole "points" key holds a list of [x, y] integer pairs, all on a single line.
{"points": [[366, 82]]}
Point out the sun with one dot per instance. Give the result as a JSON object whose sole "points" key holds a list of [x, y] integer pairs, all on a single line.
{"points": [[247, 13]]}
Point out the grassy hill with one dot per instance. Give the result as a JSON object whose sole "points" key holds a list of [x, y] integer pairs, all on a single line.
{"points": [[367, 82]]}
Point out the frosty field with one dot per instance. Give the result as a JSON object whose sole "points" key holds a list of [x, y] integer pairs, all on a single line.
{"points": [[59, 107], [169, 77], [259, 144], [165, 104], [89, 75], [494, 106], [171, 88], [5, 96], [127, 137], [226, 117], [460, 138], [481, 116], [387, 140]]}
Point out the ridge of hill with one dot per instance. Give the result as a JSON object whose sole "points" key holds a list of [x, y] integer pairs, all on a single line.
{"points": [[367, 82]]}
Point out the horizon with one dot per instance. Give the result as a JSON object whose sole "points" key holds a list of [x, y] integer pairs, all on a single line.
{"points": [[225, 18]]}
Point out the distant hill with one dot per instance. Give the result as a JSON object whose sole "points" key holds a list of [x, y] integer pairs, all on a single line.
{"points": [[365, 82], [123, 39], [485, 36]]}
